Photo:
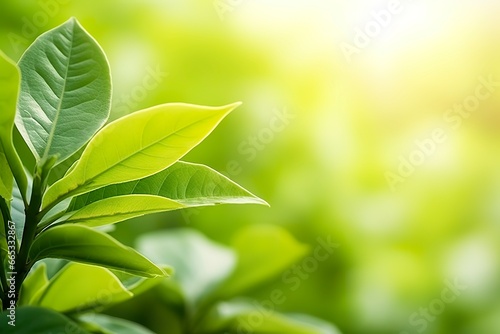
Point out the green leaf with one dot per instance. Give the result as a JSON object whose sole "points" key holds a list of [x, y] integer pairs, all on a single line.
{"points": [[39, 320], [136, 146], [241, 316], [112, 325], [83, 244], [321, 326], [116, 209], [187, 183], [258, 242], [34, 283], [65, 91], [200, 264], [79, 287], [9, 88]]}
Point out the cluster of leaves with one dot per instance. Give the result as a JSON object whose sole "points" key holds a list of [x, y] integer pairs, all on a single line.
{"points": [[79, 176], [58, 98], [205, 293]]}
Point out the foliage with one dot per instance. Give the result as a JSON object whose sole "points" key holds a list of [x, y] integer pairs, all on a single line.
{"points": [[58, 97]]}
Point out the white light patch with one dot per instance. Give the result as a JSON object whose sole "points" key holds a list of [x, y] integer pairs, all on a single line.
{"points": [[472, 261]]}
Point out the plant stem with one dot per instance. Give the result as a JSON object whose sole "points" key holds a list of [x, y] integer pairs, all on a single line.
{"points": [[22, 264]]}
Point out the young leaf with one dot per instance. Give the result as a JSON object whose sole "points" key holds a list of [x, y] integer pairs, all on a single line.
{"points": [[255, 243], [80, 287], [200, 264], [115, 209], [31, 320], [65, 91], [187, 183], [83, 244], [136, 146], [9, 87], [33, 285]]}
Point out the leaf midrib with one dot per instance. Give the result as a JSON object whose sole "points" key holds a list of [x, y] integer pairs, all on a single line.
{"points": [[139, 212], [58, 110]]}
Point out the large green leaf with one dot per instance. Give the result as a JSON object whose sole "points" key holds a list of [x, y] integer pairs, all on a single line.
{"points": [[39, 320], [80, 287], [65, 91], [9, 88], [136, 146], [200, 264], [84, 244], [242, 316], [33, 285], [187, 183], [258, 242], [111, 325], [119, 208]]}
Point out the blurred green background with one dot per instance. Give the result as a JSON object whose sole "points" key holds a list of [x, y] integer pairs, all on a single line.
{"points": [[341, 102]]}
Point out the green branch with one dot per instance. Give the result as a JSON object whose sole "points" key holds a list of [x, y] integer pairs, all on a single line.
{"points": [[31, 221]]}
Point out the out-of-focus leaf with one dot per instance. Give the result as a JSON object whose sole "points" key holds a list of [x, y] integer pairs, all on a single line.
{"points": [[241, 316], [86, 245], [320, 326], [65, 91], [9, 89], [33, 284], [112, 325], [79, 287], [39, 320], [255, 243], [115, 209], [187, 183], [138, 145], [200, 264]]}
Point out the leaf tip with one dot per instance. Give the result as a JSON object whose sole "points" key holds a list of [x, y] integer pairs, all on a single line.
{"points": [[262, 202], [232, 106], [73, 20]]}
